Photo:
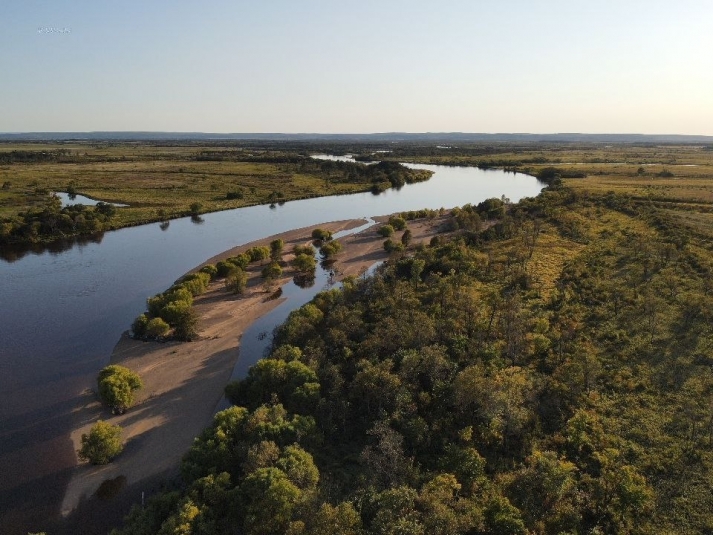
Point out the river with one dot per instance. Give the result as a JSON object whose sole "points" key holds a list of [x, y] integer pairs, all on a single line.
{"points": [[64, 309]]}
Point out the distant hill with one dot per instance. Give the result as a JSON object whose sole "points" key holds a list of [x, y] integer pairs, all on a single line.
{"points": [[444, 137]]}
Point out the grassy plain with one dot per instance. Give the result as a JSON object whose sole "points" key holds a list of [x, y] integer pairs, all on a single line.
{"points": [[675, 178], [159, 181]]}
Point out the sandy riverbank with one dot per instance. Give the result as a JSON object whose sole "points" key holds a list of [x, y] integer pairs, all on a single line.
{"points": [[183, 382]]}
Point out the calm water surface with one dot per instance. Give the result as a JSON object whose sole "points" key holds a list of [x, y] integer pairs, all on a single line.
{"points": [[62, 312]]}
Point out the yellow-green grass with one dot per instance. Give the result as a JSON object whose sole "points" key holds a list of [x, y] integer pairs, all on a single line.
{"points": [[150, 178]]}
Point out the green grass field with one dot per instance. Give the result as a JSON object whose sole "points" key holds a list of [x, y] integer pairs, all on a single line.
{"points": [[150, 179]]}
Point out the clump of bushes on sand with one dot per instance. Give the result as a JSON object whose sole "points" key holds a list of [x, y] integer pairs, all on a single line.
{"points": [[102, 444], [117, 385]]}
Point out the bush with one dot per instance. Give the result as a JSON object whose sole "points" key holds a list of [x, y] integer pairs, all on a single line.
{"points": [[304, 263], [139, 326], [385, 231], [211, 270], [276, 247], [157, 327], [196, 284], [173, 311], [393, 247], [406, 237], [321, 234], [399, 223], [102, 444], [242, 260], [303, 249], [330, 249], [224, 267], [186, 326], [234, 195], [272, 271], [236, 281], [116, 387], [257, 254]]}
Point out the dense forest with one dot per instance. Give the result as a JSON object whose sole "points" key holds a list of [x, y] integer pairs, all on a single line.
{"points": [[51, 221], [543, 367]]}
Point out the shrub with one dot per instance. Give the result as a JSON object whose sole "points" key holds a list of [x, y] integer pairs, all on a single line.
{"points": [[391, 246], [211, 270], [196, 284], [242, 260], [258, 253], [385, 231], [102, 444], [139, 326], [175, 310], [406, 237], [276, 247], [304, 263], [116, 387], [236, 281], [330, 249], [186, 326], [157, 327], [234, 195], [224, 267], [398, 223], [272, 271], [321, 234], [303, 249]]}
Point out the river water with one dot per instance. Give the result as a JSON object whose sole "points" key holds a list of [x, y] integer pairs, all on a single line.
{"points": [[63, 310]]}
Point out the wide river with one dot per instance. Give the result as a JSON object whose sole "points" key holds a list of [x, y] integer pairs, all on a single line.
{"points": [[62, 312]]}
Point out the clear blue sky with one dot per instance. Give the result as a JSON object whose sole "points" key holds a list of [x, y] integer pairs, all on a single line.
{"points": [[600, 66]]}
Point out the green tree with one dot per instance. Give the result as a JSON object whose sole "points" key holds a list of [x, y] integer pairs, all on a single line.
{"points": [[406, 237], [258, 254], [340, 520], [270, 499], [139, 326], [321, 234], [397, 222], [102, 444], [386, 231], [304, 263], [186, 325], [276, 247], [157, 327], [272, 271], [236, 280], [116, 387], [328, 250]]}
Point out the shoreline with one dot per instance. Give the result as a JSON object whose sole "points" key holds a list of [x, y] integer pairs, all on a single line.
{"points": [[184, 381]]}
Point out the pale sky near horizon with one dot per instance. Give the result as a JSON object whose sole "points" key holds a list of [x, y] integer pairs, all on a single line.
{"points": [[598, 66]]}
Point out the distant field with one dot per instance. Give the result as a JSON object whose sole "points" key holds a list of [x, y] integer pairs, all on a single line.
{"points": [[677, 178], [162, 180], [151, 178]]}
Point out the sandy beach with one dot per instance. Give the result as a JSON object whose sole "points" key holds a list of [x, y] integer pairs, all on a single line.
{"points": [[184, 381]]}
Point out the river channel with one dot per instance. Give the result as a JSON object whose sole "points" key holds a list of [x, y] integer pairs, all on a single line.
{"points": [[63, 310]]}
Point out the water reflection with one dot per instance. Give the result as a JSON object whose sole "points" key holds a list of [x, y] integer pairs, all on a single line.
{"points": [[15, 252], [304, 280]]}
